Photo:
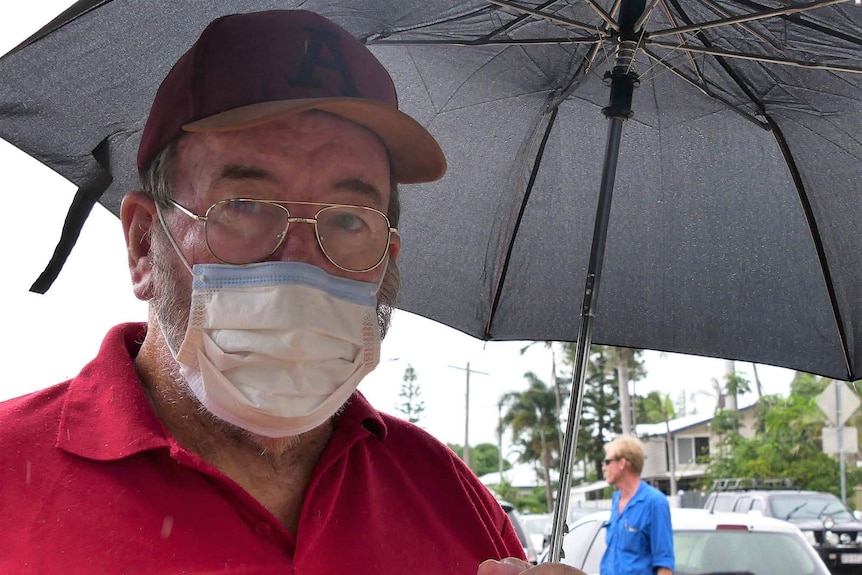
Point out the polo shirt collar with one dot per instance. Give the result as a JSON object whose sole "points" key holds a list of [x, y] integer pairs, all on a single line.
{"points": [[640, 494], [107, 416], [357, 412]]}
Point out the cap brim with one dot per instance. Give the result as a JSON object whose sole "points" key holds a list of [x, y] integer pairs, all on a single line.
{"points": [[415, 154]]}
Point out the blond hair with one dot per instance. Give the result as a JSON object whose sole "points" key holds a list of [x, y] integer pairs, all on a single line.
{"points": [[629, 448]]}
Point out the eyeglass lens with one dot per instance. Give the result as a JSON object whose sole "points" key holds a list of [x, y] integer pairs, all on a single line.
{"points": [[241, 231]]}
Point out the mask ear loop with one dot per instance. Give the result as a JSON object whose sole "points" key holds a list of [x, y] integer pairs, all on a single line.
{"points": [[174, 352], [172, 241], [379, 284]]}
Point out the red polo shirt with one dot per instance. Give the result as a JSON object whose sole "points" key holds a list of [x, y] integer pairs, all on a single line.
{"points": [[91, 482]]}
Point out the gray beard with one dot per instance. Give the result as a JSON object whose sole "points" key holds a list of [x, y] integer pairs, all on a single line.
{"points": [[171, 304]]}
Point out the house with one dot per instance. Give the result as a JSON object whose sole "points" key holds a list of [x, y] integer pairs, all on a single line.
{"points": [[523, 477], [692, 441]]}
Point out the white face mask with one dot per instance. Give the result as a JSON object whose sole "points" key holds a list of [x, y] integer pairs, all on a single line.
{"points": [[276, 348]]}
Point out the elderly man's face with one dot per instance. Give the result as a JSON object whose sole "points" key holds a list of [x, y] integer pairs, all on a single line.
{"points": [[309, 157]]}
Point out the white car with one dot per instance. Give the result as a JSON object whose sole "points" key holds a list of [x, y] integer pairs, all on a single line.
{"points": [[527, 543], [538, 527], [708, 543]]}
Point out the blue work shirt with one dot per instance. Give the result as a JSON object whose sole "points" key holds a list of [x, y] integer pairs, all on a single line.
{"points": [[640, 539]]}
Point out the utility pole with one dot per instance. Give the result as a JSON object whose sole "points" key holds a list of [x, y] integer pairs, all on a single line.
{"points": [[559, 400], [466, 453], [839, 417], [671, 454], [622, 357], [730, 371], [500, 439]]}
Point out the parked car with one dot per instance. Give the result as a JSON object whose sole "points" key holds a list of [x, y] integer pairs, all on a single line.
{"points": [[518, 524], [708, 543], [576, 513], [827, 524], [538, 527]]}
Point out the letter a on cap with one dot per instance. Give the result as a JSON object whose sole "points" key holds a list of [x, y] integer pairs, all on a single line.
{"points": [[314, 58]]}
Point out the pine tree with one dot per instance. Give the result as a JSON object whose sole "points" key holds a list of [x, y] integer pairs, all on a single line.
{"points": [[412, 406]]}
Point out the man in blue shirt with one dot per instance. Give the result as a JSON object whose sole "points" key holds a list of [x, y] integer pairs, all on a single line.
{"points": [[639, 536]]}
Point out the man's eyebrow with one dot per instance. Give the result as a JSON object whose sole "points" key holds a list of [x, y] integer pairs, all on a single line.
{"points": [[360, 186], [240, 172]]}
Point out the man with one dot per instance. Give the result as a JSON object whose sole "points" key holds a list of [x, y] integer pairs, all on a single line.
{"points": [[226, 435], [639, 536]]}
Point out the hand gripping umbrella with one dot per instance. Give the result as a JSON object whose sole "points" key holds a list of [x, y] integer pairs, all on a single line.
{"points": [[736, 224]]}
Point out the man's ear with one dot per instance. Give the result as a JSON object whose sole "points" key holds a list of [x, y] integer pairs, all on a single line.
{"points": [[394, 247], [138, 215]]}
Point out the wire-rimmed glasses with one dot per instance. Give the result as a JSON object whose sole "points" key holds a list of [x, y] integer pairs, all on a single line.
{"points": [[247, 230]]}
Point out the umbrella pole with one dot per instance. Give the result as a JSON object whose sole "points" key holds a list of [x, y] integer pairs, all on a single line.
{"points": [[582, 355], [623, 81]]}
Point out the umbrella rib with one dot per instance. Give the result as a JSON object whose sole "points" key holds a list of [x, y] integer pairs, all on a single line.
{"points": [[721, 11], [745, 18], [373, 38], [478, 42], [705, 89], [763, 59], [517, 20], [579, 76], [543, 15], [646, 14], [609, 21], [798, 20], [648, 74], [817, 241], [587, 67], [501, 276], [728, 69], [615, 9], [691, 61]]}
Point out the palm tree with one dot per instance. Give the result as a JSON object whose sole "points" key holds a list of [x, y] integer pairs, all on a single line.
{"points": [[533, 417], [608, 370], [627, 365], [656, 407]]}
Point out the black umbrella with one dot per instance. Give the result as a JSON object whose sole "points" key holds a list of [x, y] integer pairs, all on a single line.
{"points": [[734, 230]]}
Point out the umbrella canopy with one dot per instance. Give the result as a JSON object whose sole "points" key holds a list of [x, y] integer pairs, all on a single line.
{"points": [[735, 224]]}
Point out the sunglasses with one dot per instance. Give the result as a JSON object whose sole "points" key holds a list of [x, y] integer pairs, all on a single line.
{"points": [[611, 460]]}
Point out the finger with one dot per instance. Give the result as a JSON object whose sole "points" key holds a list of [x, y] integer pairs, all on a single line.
{"points": [[508, 566], [554, 569]]}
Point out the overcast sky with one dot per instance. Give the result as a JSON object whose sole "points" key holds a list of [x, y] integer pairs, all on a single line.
{"points": [[48, 338]]}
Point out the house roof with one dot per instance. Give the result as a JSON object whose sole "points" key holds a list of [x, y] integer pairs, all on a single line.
{"points": [[522, 475], [678, 424], [589, 487]]}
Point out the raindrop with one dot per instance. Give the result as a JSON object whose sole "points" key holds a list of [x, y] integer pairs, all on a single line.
{"points": [[167, 526]]}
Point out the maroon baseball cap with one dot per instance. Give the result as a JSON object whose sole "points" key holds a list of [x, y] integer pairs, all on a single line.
{"points": [[249, 69]]}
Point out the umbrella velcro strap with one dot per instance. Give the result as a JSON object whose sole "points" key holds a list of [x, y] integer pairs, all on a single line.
{"points": [[86, 197]]}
